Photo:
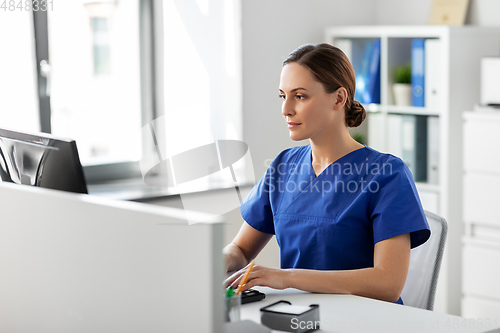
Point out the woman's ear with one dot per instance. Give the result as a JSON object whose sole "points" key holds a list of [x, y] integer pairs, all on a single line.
{"points": [[340, 98]]}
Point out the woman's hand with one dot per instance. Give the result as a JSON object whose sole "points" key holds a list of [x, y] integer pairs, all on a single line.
{"points": [[260, 276]]}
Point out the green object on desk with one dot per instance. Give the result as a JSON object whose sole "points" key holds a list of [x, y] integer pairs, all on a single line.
{"points": [[229, 294]]}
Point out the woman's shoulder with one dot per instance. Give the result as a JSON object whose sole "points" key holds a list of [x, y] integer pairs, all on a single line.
{"points": [[385, 158], [387, 163]]}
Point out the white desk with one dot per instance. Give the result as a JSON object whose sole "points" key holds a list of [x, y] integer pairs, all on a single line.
{"points": [[347, 313]]}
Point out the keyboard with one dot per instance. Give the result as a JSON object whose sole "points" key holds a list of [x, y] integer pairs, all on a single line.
{"points": [[251, 295]]}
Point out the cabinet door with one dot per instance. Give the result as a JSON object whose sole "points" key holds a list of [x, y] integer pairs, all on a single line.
{"points": [[481, 198], [481, 272]]}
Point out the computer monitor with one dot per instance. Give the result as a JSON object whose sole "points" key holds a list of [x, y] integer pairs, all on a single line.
{"points": [[41, 160]]}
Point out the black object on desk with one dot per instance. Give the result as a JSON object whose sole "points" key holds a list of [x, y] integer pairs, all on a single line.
{"points": [[251, 295], [283, 316]]}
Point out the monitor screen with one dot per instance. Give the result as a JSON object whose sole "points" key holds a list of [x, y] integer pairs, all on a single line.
{"points": [[41, 160]]}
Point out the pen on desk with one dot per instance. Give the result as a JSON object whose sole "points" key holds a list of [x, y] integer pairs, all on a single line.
{"points": [[245, 278]]}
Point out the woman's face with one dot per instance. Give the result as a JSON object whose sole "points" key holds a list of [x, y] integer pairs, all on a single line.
{"points": [[308, 109]]}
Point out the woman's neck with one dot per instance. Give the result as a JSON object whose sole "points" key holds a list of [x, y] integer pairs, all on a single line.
{"points": [[327, 150]]}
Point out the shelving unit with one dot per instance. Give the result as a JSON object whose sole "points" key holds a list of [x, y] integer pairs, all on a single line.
{"points": [[459, 78], [401, 109]]}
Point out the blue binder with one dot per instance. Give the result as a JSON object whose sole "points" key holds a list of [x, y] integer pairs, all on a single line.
{"points": [[368, 76], [373, 91], [418, 71], [362, 74]]}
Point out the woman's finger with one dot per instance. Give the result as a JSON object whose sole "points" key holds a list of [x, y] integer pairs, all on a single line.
{"points": [[235, 279], [250, 284], [251, 277], [232, 278], [253, 280], [237, 282]]}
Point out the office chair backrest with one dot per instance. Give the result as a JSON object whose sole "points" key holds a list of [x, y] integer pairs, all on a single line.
{"points": [[425, 261]]}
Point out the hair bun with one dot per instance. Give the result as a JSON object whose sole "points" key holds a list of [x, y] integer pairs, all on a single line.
{"points": [[356, 115]]}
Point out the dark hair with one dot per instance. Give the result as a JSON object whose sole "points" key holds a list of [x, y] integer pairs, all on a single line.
{"points": [[331, 67]]}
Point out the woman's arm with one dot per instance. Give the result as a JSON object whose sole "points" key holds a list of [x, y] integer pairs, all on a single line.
{"points": [[245, 247], [384, 281]]}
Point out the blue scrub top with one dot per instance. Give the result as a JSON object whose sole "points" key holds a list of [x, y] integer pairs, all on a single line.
{"points": [[333, 221]]}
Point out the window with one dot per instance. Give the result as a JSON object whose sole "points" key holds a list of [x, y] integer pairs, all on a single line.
{"points": [[18, 82], [202, 94], [100, 36], [107, 68], [95, 78]]}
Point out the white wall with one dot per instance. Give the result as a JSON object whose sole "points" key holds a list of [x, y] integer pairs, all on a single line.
{"points": [[484, 13], [407, 12], [415, 12]]}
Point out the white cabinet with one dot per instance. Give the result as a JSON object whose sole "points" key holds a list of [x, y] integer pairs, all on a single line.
{"points": [[456, 78], [481, 250]]}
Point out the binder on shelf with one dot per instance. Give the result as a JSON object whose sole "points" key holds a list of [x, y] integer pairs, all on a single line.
{"points": [[433, 150], [395, 134], [432, 94], [418, 71], [415, 145], [372, 94], [363, 72], [375, 131]]}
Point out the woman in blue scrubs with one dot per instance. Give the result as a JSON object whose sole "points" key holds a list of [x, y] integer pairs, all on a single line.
{"points": [[345, 216]]}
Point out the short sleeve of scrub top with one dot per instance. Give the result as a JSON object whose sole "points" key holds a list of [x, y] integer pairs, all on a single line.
{"points": [[332, 221], [396, 209]]}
